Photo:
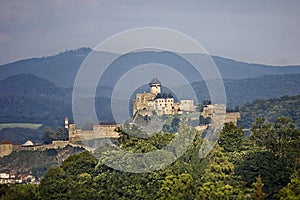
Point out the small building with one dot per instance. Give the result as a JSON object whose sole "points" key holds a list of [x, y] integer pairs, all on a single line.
{"points": [[7, 178], [210, 110], [187, 106]]}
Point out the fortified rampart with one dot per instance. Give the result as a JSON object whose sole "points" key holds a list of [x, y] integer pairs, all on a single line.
{"points": [[101, 131]]}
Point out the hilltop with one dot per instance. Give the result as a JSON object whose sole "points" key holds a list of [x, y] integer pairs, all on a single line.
{"points": [[62, 68], [30, 85]]}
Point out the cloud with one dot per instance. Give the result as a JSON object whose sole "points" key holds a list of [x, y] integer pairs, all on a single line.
{"points": [[244, 30]]}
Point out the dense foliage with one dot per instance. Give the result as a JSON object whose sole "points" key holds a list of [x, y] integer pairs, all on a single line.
{"points": [[59, 134], [271, 109], [21, 135], [264, 165]]}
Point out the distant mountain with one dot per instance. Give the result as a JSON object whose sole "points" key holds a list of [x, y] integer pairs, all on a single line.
{"points": [[231, 69], [32, 86], [247, 90], [29, 99], [62, 68], [241, 91]]}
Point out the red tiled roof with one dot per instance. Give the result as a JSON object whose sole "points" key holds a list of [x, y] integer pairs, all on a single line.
{"points": [[5, 141]]}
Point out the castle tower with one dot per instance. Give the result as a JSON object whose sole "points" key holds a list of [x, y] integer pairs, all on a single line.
{"points": [[154, 86], [66, 123]]}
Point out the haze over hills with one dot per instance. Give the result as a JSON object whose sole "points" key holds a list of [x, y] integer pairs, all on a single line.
{"points": [[32, 86], [62, 68], [28, 98], [39, 90], [31, 99]]}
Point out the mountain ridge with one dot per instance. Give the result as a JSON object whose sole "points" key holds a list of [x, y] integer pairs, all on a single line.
{"points": [[32, 86], [62, 68], [50, 108]]}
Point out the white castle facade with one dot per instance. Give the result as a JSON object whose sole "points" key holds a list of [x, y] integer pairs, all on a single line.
{"points": [[157, 103]]}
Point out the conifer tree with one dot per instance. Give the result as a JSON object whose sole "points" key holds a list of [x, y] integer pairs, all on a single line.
{"points": [[258, 192]]}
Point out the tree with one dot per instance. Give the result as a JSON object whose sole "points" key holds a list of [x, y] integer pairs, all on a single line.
{"points": [[61, 134], [218, 180], [261, 132], [56, 184], [231, 137], [177, 187], [258, 192], [291, 191], [273, 170], [76, 164], [83, 187], [47, 135], [286, 138], [18, 191]]}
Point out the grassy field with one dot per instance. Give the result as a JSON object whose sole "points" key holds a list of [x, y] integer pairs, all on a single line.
{"points": [[20, 125]]}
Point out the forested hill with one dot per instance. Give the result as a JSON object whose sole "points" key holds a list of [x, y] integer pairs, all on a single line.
{"points": [[26, 98], [270, 109], [32, 86], [62, 68], [243, 91], [30, 99]]}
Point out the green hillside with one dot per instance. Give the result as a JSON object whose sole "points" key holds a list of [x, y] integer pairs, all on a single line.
{"points": [[264, 165], [270, 109]]}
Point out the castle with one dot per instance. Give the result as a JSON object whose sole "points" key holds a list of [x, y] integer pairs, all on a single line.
{"points": [[158, 103], [146, 104]]}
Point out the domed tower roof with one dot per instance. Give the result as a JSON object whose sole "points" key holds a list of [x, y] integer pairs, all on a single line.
{"points": [[154, 81]]}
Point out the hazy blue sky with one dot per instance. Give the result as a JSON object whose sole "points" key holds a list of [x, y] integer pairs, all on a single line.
{"points": [[260, 31]]}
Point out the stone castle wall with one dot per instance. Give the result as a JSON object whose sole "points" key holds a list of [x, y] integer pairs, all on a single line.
{"points": [[98, 132], [232, 117], [6, 149]]}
